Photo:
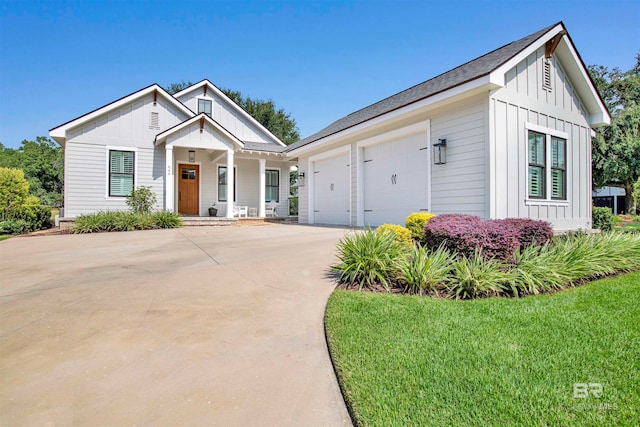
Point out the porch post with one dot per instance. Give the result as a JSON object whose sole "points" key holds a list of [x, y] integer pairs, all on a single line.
{"points": [[169, 181], [261, 199], [230, 184]]}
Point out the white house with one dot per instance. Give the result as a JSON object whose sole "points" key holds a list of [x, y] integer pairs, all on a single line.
{"points": [[507, 134], [183, 146]]}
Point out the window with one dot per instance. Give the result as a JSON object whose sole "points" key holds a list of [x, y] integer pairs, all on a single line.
{"points": [[272, 185], [204, 106], [558, 169], [536, 165], [121, 173], [222, 184], [543, 169]]}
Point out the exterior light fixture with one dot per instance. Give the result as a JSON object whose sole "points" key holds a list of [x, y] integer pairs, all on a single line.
{"points": [[440, 152], [192, 156], [301, 179]]}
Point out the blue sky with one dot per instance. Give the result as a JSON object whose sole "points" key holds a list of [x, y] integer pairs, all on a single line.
{"points": [[318, 60]]}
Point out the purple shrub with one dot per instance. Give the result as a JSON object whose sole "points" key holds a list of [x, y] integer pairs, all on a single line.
{"points": [[498, 239], [532, 232]]}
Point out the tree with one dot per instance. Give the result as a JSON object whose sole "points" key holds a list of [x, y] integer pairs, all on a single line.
{"points": [[42, 162], [616, 148], [279, 122]]}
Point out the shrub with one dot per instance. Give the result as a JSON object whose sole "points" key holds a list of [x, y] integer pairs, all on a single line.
{"points": [[616, 221], [422, 270], [37, 216], [401, 234], [635, 218], [165, 219], [475, 277], [14, 226], [531, 231], [124, 221], [416, 222], [602, 218], [14, 191], [464, 234], [141, 200], [367, 258]]}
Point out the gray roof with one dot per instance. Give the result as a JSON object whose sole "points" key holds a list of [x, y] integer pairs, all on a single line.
{"points": [[472, 70], [261, 146]]}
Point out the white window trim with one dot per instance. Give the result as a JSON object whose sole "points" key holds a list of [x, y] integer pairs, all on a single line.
{"points": [[204, 98], [267, 168], [235, 195], [548, 133], [108, 168]]}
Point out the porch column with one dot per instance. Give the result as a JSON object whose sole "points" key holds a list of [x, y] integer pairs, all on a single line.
{"points": [[261, 199], [169, 181], [230, 184]]}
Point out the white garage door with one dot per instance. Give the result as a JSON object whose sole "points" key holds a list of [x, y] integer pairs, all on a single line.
{"points": [[331, 190], [395, 180]]}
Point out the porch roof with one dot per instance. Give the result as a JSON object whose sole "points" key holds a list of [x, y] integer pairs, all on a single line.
{"points": [[203, 118]]}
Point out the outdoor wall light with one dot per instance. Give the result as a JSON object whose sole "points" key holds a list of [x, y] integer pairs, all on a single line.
{"points": [[440, 152], [301, 179], [192, 156]]}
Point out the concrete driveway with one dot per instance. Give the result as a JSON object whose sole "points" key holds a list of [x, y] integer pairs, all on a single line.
{"points": [[195, 326]]}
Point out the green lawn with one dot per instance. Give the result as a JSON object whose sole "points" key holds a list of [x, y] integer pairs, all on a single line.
{"points": [[4, 237], [409, 361]]}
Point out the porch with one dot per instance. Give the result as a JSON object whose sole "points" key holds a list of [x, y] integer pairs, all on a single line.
{"points": [[201, 221], [207, 167]]}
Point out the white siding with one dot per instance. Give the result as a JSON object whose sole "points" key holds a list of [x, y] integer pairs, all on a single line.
{"points": [[227, 116], [459, 186], [522, 101], [86, 185], [86, 175]]}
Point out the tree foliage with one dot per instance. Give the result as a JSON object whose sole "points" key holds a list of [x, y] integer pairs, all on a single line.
{"points": [[42, 162], [276, 120], [616, 148]]}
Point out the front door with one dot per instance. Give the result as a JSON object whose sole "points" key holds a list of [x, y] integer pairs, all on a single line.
{"points": [[189, 189]]}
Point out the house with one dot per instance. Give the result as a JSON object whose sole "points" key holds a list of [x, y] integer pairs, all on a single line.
{"points": [[613, 198], [182, 146], [507, 134]]}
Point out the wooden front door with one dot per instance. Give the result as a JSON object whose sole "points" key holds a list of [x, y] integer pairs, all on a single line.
{"points": [[189, 189]]}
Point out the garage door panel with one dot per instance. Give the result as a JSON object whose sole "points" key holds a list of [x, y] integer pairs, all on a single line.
{"points": [[395, 180], [331, 190]]}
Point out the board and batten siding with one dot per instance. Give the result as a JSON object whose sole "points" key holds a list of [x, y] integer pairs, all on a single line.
{"points": [[86, 154], [227, 116], [525, 101], [459, 186]]}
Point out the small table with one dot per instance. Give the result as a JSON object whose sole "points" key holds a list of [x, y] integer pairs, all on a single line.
{"points": [[253, 212]]}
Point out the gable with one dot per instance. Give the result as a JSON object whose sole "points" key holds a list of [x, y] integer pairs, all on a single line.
{"points": [[543, 80], [131, 123], [227, 113]]}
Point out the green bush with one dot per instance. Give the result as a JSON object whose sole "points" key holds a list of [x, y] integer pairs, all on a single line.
{"points": [[124, 221], [14, 191], [635, 218], [367, 258], [164, 219], [416, 222], [38, 216], [14, 226], [475, 277], [602, 218], [401, 234], [422, 270], [141, 200]]}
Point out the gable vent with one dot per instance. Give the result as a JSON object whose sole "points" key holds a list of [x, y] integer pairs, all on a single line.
{"points": [[546, 77], [155, 121]]}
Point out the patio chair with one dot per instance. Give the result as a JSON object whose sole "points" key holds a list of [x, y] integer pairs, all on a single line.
{"points": [[270, 210], [241, 211]]}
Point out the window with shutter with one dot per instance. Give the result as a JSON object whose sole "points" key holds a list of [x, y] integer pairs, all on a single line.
{"points": [[536, 165], [546, 75], [121, 173], [547, 176]]}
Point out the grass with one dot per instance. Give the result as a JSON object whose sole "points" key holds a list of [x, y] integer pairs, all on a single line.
{"points": [[4, 237], [409, 360]]}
